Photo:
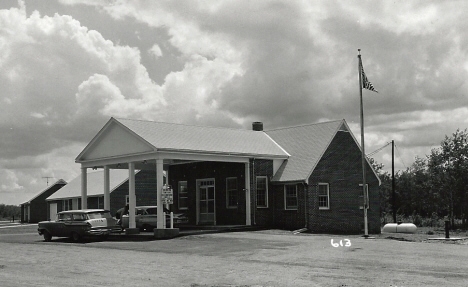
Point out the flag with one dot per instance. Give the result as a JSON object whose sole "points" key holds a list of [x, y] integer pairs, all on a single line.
{"points": [[365, 82]]}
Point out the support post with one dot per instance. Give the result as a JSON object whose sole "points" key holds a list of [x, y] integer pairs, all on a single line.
{"points": [[84, 188], [106, 188], [159, 185], [131, 195], [248, 220]]}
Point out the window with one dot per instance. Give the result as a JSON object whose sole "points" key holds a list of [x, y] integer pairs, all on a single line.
{"points": [[66, 204], [262, 191], [183, 195], [324, 195], [100, 201], [361, 197], [231, 192], [290, 196]]}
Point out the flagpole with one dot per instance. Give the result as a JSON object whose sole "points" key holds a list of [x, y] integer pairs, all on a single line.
{"points": [[363, 156]]}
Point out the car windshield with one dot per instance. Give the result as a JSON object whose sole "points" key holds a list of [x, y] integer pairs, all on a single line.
{"points": [[99, 214], [153, 211]]}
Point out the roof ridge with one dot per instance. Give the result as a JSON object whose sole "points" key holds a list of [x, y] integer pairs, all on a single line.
{"points": [[303, 125], [186, 125]]}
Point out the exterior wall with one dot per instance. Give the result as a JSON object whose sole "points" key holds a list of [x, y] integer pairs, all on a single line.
{"points": [[190, 172], [289, 219], [38, 206], [340, 167], [145, 191], [262, 216]]}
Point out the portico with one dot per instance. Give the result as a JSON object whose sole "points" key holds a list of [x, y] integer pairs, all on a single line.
{"points": [[143, 145]]}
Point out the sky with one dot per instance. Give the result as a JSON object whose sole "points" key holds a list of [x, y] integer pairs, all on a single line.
{"points": [[68, 66]]}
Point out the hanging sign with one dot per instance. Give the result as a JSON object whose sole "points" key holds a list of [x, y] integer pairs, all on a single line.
{"points": [[167, 194]]}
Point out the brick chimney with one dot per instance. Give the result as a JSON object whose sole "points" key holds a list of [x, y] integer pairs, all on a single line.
{"points": [[257, 126]]}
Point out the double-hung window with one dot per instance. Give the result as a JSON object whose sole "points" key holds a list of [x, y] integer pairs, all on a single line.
{"points": [[363, 201], [324, 196], [262, 191], [290, 196], [183, 195], [231, 192]]}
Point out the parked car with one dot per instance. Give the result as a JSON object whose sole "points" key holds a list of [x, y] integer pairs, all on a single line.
{"points": [[146, 218], [77, 224]]}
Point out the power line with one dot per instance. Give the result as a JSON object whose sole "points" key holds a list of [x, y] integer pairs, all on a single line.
{"points": [[401, 158], [379, 149]]}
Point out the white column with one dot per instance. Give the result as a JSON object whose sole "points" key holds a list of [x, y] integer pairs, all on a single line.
{"points": [[131, 195], [247, 195], [159, 185], [84, 188], [106, 188]]}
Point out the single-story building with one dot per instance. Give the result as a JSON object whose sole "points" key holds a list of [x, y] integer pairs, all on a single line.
{"points": [[307, 176], [35, 209], [69, 197]]}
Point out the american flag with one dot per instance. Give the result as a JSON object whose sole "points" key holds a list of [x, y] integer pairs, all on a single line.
{"points": [[365, 82]]}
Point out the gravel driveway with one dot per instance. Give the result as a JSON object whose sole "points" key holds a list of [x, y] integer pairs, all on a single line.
{"points": [[255, 258]]}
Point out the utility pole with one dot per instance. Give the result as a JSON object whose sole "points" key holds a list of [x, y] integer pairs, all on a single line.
{"points": [[393, 182], [47, 177]]}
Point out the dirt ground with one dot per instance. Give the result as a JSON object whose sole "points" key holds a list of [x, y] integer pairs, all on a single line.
{"points": [[255, 258]]}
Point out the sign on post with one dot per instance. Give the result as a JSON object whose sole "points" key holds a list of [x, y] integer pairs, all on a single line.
{"points": [[167, 195]]}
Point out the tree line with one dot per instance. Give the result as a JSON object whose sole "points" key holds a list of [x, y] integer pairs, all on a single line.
{"points": [[8, 211], [434, 186]]}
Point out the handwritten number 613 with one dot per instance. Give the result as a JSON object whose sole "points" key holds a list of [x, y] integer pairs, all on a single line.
{"points": [[347, 243]]}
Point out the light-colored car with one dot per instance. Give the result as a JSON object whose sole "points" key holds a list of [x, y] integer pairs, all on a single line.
{"points": [[146, 218], [77, 224]]}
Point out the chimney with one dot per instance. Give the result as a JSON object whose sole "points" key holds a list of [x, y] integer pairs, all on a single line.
{"points": [[257, 126]]}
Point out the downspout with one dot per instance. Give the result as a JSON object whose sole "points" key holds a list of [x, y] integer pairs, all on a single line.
{"points": [[255, 193], [306, 191]]}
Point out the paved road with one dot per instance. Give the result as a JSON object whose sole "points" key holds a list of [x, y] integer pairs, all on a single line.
{"points": [[260, 258]]}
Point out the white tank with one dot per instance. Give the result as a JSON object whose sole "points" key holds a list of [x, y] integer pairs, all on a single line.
{"points": [[399, 228]]}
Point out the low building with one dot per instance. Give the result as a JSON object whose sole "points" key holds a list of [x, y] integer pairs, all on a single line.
{"points": [[308, 176], [35, 209], [69, 197]]}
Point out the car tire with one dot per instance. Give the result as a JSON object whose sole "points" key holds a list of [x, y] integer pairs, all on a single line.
{"points": [[47, 236], [75, 237]]}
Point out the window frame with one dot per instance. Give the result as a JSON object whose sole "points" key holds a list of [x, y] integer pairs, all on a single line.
{"points": [[286, 197], [266, 191], [327, 196], [179, 184], [228, 193], [361, 197]]}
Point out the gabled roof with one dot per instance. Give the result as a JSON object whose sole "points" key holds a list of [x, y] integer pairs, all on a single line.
{"points": [[204, 139], [170, 137], [60, 182], [95, 185], [306, 144]]}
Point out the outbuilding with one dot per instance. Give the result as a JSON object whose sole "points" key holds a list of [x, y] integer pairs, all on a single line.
{"points": [[305, 176], [35, 209]]}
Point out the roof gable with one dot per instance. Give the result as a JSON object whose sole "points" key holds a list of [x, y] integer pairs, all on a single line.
{"points": [[58, 182], [114, 139], [306, 144]]}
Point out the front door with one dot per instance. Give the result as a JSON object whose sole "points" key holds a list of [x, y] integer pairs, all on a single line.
{"points": [[52, 211], [206, 211]]}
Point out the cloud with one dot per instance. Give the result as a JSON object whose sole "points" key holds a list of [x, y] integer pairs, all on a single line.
{"points": [[155, 51]]}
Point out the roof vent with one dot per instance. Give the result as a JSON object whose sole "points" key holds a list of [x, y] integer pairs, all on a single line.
{"points": [[257, 126]]}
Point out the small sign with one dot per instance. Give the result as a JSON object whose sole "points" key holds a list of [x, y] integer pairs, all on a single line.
{"points": [[167, 195]]}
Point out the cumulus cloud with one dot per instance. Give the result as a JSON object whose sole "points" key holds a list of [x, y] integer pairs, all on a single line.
{"points": [[280, 62], [155, 51]]}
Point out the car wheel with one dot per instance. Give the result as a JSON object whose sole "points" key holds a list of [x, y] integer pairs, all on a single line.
{"points": [[76, 237], [47, 236]]}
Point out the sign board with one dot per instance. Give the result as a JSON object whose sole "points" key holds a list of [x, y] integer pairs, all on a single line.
{"points": [[167, 195]]}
